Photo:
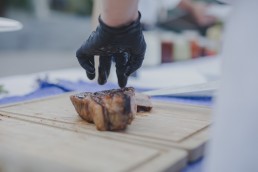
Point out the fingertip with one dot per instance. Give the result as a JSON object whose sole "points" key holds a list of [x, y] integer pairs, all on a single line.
{"points": [[121, 85], [122, 81], [102, 81], [91, 76]]}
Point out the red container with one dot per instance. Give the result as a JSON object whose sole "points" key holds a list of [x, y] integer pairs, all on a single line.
{"points": [[166, 51]]}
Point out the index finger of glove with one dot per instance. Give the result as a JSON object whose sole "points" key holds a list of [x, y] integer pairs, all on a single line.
{"points": [[121, 61], [87, 62], [104, 69]]}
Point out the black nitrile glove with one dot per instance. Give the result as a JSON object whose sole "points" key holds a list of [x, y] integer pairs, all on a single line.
{"points": [[126, 45]]}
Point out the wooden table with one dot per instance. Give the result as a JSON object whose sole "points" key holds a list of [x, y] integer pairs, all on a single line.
{"points": [[48, 135]]}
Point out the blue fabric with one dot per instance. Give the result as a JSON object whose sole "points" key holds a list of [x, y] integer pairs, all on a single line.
{"points": [[49, 89], [196, 166]]}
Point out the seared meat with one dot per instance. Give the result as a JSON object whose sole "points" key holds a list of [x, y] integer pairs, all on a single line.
{"points": [[108, 110], [143, 102], [111, 109]]}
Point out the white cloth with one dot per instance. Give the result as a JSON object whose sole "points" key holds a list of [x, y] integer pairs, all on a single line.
{"points": [[234, 135], [150, 9], [9, 25]]}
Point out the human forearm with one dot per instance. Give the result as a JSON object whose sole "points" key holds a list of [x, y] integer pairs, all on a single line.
{"points": [[117, 38], [117, 13]]}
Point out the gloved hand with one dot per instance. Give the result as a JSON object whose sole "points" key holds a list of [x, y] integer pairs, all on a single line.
{"points": [[126, 45]]}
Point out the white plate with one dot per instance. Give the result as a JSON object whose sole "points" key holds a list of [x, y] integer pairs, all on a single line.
{"points": [[9, 25]]}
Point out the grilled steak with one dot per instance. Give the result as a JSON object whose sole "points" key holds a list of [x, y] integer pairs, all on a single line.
{"points": [[143, 102], [108, 110]]}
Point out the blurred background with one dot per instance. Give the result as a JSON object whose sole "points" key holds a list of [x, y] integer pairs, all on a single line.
{"points": [[181, 33], [52, 31]]}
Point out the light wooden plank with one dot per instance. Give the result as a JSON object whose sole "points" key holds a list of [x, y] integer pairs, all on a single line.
{"points": [[29, 142], [162, 163], [168, 125]]}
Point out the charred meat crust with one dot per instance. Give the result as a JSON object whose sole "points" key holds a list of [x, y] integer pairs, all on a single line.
{"points": [[109, 110]]}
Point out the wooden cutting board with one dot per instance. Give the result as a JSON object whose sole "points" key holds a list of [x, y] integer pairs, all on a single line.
{"points": [[164, 139]]}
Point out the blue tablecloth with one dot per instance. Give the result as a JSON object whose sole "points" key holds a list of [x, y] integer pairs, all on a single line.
{"points": [[47, 88]]}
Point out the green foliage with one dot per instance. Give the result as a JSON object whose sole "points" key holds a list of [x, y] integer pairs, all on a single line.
{"points": [[80, 7], [22, 4]]}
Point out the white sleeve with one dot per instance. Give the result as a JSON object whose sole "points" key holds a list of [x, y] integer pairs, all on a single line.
{"points": [[150, 9], [234, 138]]}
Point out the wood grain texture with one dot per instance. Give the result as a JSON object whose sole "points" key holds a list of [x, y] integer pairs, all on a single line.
{"points": [[75, 151], [168, 126]]}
